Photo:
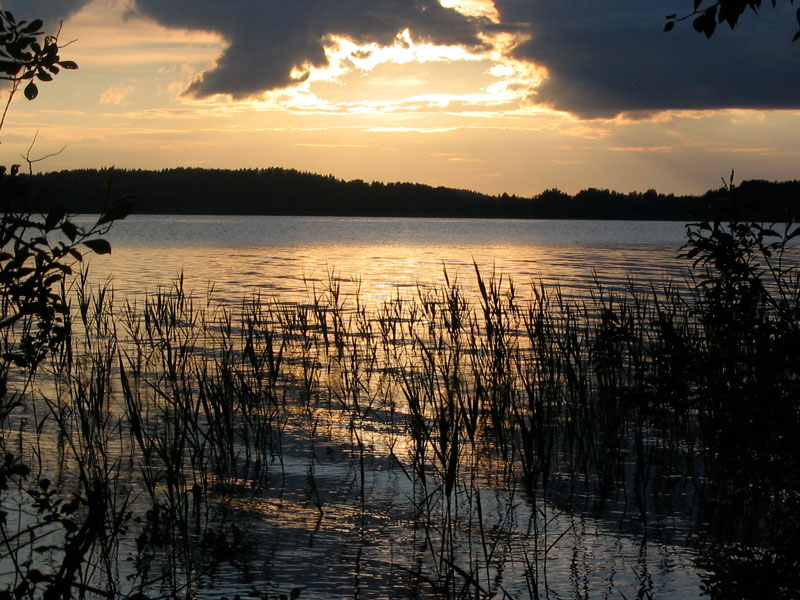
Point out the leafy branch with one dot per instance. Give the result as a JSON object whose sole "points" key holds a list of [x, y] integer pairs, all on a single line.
{"points": [[706, 18], [27, 55]]}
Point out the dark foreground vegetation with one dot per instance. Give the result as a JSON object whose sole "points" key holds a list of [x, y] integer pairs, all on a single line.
{"points": [[288, 192], [136, 432], [175, 446]]}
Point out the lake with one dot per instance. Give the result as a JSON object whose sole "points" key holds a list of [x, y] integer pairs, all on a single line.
{"points": [[355, 432], [284, 255]]}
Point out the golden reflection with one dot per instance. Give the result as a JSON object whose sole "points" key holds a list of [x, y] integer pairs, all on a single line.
{"points": [[379, 273], [341, 397]]}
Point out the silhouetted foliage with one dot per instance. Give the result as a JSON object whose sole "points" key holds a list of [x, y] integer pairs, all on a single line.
{"points": [[715, 376], [27, 54], [38, 250], [705, 17], [745, 372], [33, 264]]}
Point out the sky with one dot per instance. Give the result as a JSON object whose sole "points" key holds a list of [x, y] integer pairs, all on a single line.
{"points": [[503, 96]]}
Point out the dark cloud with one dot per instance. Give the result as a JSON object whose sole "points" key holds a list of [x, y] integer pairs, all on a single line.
{"points": [[266, 39], [608, 57], [604, 57], [52, 12]]}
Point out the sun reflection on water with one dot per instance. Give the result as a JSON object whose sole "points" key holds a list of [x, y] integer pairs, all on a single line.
{"points": [[291, 257], [307, 525]]}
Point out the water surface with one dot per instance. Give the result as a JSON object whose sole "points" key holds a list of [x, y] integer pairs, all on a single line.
{"points": [[347, 551], [288, 255]]}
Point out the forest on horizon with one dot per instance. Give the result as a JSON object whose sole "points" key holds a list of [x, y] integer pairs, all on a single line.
{"points": [[277, 191]]}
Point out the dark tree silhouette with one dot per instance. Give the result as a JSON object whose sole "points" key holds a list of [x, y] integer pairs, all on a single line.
{"points": [[37, 248], [705, 16]]}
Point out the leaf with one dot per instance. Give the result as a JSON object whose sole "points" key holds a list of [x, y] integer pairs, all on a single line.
{"points": [[31, 91], [53, 279], [67, 64], [107, 178], [9, 67], [53, 218], [697, 4], [34, 25], [36, 576], [98, 246], [119, 209], [69, 525], [69, 230], [796, 36], [730, 15], [669, 26], [44, 76], [70, 507], [705, 23]]}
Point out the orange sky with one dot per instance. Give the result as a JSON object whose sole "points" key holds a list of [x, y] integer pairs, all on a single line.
{"points": [[407, 110]]}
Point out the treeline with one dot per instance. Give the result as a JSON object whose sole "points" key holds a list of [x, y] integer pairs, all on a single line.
{"points": [[276, 191]]}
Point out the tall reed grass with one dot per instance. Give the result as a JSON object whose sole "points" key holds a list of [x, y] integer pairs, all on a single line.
{"points": [[157, 414]]}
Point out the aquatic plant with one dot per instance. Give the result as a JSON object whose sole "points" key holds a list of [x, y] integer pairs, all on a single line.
{"points": [[181, 442]]}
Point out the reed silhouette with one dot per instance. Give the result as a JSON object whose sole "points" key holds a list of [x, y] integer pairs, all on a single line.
{"points": [[147, 423]]}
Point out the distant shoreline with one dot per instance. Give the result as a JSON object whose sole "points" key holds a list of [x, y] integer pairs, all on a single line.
{"points": [[283, 192], [335, 216]]}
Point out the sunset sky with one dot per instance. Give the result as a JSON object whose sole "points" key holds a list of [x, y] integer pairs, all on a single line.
{"points": [[511, 96]]}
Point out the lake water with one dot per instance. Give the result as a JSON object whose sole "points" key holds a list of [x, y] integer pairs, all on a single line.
{"points": [[287, 255], [320, 537]]}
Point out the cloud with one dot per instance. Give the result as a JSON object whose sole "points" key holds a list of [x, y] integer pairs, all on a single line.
{"points": [[608, 57], [52, 12], [323, 145], [271, 43], [603, 58], [115, 95]]}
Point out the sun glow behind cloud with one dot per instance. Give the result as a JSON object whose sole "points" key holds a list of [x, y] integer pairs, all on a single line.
{"points": [[474, 8], [407, 109], [409, 77]]}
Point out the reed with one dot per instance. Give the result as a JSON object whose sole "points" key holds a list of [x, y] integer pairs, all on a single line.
{"points": [[151, 421]]}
